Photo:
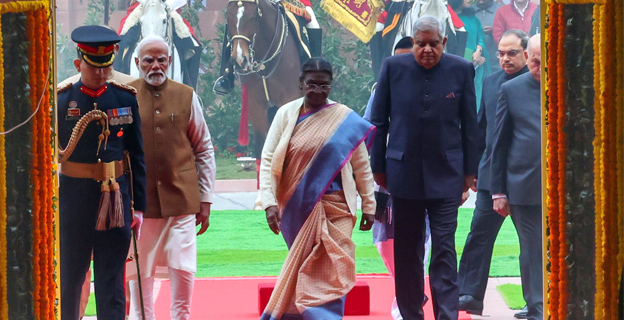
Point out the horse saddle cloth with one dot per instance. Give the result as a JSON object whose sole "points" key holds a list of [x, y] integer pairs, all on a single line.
{"points": [[296, 27]]}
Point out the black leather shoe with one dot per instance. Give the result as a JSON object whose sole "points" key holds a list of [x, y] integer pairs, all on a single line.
{"points": [[470, 305], [222, 86], [522, 314]]}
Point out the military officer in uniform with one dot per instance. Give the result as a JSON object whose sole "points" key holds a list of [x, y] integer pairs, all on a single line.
{"points": [[121, 78], [98, 125]]}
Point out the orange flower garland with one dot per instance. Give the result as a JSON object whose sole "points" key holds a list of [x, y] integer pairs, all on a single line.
{"points": [[562, 152], [41, 169], [608, 145], [33, 61], [619, 104], [4, 307], [44, 291], [553, 166], [48, 290], [610, 183], [598, 26]]}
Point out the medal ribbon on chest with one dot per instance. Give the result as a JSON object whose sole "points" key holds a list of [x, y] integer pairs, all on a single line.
{"points": [[120, 116]]}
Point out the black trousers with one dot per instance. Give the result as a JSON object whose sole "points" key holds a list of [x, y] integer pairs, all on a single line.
{"points": [[409, 248], [474, 266], [528, 222], [78, 203]]}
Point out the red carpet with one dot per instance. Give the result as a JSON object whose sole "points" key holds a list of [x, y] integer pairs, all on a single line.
{"points": [[237, 298]]}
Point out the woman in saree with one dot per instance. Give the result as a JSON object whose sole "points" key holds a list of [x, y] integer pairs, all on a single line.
{"points": [[314, 163], [476, 50]]}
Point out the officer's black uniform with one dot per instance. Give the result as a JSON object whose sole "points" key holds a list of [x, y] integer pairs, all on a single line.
{"points": [[80, 197]]}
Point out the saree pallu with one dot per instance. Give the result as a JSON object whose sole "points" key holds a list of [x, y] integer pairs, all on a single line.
{"points": [[320, 267]]}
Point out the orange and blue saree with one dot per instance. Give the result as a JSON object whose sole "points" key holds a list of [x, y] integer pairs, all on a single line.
{"points": [[316, 222]]}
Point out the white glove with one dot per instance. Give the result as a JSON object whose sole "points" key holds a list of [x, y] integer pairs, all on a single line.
{"points": [[137, 221]]}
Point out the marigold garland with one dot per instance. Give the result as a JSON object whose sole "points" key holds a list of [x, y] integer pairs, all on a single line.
{"points": [[610, 184], [47, 160], [619, 104], [41, 167], [35, 182], [561, 150], [38, 34], [608, 145], [598, 26], [23, 6], [553, 166], [4, 307]]}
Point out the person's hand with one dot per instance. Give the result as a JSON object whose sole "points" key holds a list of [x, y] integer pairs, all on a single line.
{"points": [[474, 186], [501, 206], [380, 179], [465, 196], [366, 223], [203, 217], [469, 182], [137, 221], [476, 58], [273, 218], [487, 29]]}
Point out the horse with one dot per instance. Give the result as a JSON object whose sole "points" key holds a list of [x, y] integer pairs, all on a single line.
{"points": [[159, 17], [265, 58]]}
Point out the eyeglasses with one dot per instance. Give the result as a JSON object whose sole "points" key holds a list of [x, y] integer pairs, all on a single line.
{"points": [[315, 87], [510, 53]]}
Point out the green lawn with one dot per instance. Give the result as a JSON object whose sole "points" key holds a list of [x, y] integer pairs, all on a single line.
{"points": [[512, 294], [239, 243], [230, 168]]}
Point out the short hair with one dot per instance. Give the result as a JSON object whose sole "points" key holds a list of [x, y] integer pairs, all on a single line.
{"points": [[523, 36], [428, 23], [534, 42], [316, 64], [404, 43], [150, 39]]}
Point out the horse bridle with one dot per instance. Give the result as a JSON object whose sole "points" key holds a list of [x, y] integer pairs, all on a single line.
{"points": [[168, 34], [256, 66]]}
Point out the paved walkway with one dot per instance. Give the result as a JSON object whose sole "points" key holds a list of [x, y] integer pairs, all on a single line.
{"points": [[242, 194]]}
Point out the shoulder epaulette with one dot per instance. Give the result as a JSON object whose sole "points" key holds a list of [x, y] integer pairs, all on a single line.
{"points": [[123, 87], [64, 87]]}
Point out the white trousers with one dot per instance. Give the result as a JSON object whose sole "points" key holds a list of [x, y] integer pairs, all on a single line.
{"points": [[181, 294]]}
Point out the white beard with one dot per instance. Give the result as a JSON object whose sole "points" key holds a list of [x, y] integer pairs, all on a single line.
{"points": [[154, 78]]}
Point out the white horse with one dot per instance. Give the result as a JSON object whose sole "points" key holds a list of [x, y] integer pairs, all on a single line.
{"points": [[434, 8], [156, 17]]}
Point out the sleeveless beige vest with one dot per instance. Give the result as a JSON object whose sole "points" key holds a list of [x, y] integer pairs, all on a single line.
{"points": [[172, 187]]}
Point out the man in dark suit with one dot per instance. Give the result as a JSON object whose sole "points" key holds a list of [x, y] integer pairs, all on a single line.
{"points": [[474, 266], [426, 103], [517, 172]]}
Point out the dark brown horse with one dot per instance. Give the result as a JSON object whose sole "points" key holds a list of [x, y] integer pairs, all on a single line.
{"points": [[265, 57]]}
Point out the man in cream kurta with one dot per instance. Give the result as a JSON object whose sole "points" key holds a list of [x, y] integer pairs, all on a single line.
{"points": [[180, 179]]}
